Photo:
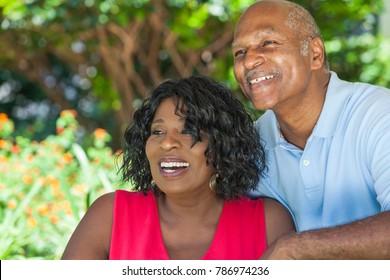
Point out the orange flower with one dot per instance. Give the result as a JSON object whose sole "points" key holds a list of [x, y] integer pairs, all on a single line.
{"points": [[80, 188], [27, 179], [3, 144], [53, 182], [67, 208], [68, 211], [100, 133], [67, 157], [29, 158], [29, 210], [3, 117], [57, 148], [15, 149], [11, 204], [31, 222], [54, 219], [66, 113], [43, 209]]}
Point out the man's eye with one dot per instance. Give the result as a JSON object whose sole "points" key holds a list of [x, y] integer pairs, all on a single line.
{"points": [[239, 52], [268, 43]]}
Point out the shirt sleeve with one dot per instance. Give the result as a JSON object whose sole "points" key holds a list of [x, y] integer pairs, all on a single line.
{"points": [[378, 152]]}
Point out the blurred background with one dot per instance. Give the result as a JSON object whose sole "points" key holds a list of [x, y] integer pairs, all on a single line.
{"points": [[72, 72]]}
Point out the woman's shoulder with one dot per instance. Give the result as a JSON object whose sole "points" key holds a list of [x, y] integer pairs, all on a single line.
{"points": [[124, 195], [103, 205], [124, 201], [106, 203], [278, 219], [91, 238]]}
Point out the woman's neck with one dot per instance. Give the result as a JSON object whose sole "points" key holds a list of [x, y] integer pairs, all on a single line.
{"points": [[188, 227], [175, 209]]}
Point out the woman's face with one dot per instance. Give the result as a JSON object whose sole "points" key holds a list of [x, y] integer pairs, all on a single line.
{"points": [[177, 167]]}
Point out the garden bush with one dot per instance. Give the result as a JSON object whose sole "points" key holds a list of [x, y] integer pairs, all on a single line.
{"points": [[47, 186]]}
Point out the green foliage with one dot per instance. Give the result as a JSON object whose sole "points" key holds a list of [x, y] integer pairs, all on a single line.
{"points": [[364, 58], [46, 187], [55, 24], [6, 126]]}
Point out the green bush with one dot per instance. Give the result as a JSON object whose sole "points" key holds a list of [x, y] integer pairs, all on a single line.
{"points": [[46, 187]]}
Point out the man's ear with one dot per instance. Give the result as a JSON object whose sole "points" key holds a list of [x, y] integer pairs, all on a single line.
{"points": [[317, 52]]}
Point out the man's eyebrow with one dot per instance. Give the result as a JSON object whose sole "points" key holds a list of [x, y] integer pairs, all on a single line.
{"points": [[259, 34], [235, 44]]}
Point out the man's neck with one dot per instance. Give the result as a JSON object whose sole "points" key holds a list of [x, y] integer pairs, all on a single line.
{"points": [[297, 122]]}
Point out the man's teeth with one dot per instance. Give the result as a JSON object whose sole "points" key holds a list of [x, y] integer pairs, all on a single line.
{"points": [[174, 164], [258, 80]]}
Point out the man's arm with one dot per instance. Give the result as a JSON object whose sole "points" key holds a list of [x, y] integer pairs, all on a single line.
{"points": [[368, 238]]}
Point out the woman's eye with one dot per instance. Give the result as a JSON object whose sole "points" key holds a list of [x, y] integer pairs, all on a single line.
{"points": [[156, 132]]}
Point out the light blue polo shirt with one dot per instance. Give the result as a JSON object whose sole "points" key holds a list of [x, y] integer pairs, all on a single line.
{"points": [[343, 174]]}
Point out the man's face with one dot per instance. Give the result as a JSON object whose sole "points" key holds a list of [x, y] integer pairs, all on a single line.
{"points": [[268, 61]]}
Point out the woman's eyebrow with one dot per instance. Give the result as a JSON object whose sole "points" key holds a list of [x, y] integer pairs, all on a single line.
{"points": [[157, 121]]}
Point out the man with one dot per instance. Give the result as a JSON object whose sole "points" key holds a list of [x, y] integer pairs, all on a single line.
{"points": [[327, 141]]}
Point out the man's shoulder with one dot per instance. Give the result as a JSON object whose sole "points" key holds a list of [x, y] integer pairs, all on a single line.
{"points": [[357, 89], [267, 126]]}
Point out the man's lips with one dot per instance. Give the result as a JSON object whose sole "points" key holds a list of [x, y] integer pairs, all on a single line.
{"points": [[260, 79], [257, 76]]}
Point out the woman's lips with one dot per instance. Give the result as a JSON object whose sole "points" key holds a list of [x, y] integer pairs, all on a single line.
{"points": [[173, 168]]}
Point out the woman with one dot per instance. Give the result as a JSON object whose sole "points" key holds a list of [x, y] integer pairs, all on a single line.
{"points": [[192, 153]]}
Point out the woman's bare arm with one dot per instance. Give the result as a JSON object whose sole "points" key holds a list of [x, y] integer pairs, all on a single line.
{"points": [[91, 238], [278, 220]]}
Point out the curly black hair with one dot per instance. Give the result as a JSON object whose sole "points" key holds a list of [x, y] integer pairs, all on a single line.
{"points": [[234, 148]]}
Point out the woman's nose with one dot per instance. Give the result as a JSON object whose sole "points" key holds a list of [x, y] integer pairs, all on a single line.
{"points": [[169, 142]]}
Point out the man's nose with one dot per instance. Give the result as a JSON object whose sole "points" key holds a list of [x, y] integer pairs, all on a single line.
{"points": [[253, 58]]}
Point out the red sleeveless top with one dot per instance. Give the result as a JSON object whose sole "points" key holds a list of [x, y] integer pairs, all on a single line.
{"points": [[136, 232]]}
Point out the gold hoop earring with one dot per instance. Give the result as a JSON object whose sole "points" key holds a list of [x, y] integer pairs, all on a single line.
{"points": [[213, 182]]}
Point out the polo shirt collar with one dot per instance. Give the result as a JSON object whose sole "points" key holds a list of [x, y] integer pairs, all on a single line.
{"points": [[337, 95]]}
